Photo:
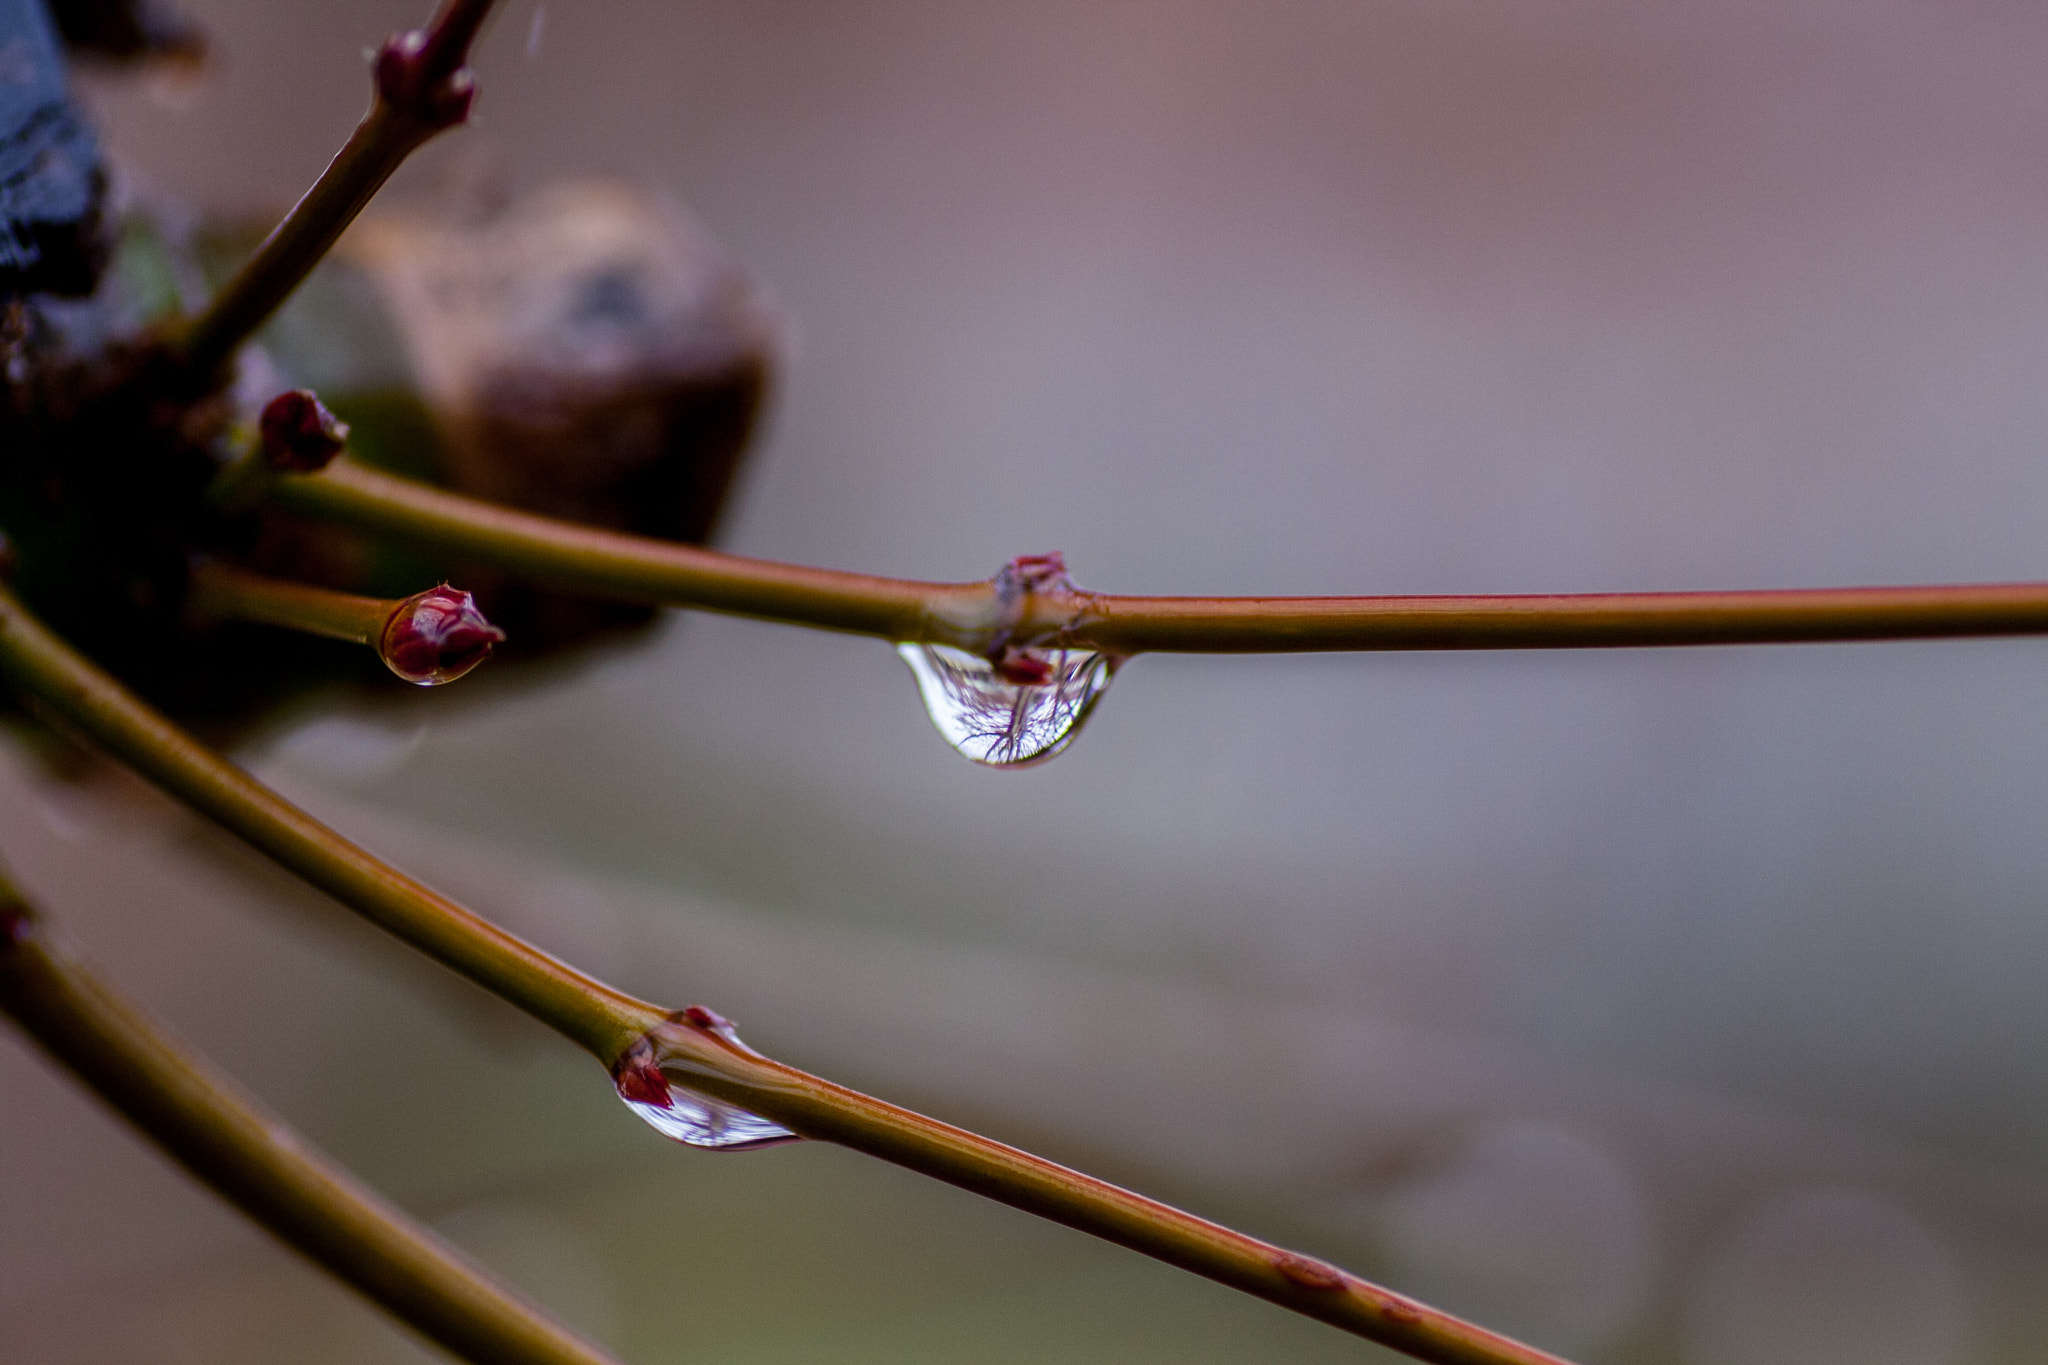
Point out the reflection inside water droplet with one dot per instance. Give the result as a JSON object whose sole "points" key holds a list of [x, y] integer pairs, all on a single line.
{"points": [[1025, 713], [436, 636], [653, 1087], [700, 1121]]}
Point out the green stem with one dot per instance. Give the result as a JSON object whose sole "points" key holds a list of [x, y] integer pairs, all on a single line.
{"points": [[589, 1013], [718, 1064], [241, 485], [180, 1102], [971, 616], [613, 563], [222, 591], [611, 1025]]}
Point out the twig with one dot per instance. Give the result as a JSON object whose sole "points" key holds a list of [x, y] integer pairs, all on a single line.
{"points": [[422, 87], [616, 1028], [982, 618], [180, 1102], [617, 564], [701, 1045], [220, 590], [598, 1018], [429, 638]]}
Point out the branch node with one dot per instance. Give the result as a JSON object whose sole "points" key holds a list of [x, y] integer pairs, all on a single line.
{"points": [[299, 434], [1036, 602], [1308, 1272], [416, 78]]}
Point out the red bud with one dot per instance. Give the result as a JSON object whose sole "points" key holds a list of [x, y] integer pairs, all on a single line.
{"points": [[437, 636], [641, 1081], [1025, 670], [300, 436], [412, 78]]}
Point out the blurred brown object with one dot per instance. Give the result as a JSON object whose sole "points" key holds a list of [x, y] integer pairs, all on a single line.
{"points": [[588, 351]]}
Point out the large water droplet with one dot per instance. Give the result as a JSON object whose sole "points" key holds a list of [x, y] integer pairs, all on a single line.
{"points": [[653, 1084], [700, 1121], [1023, 713]]}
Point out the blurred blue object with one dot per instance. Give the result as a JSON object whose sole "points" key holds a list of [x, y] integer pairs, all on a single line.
{"points": [[51, 179]]}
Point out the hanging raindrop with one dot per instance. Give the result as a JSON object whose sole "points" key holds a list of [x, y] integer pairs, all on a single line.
{"points": [[651, 1083], [1020, 713], [1025, 698]]}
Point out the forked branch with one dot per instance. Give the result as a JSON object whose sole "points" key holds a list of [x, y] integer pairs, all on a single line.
{"points": [[180, 1102], [603, 1021], [422, 87], [616, 1028], [981, 618]]}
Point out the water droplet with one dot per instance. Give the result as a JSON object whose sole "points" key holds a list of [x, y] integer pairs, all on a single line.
{"points": [[1022, 712], [700, 1121], [436, 636], [653, 1085]]}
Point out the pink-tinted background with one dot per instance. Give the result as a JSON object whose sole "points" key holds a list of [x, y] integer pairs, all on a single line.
{"points": [[1677, 1006]]}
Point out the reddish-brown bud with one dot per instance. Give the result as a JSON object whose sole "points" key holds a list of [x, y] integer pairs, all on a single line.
{"points": [[437, 636], [712, 1022], [300, 436], [1024, 577], [412, 77], [1035, 573], [1308, 1273], [1022, 668], [640, 1081]]}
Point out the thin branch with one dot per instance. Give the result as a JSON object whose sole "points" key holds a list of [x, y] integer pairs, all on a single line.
{"points": [[617, 1028], [295, 434], [598, 1018], [222, 591], [220, 1134], [614, 563], [701, 1045], [429, 638], [422, 87], [982, 618]]}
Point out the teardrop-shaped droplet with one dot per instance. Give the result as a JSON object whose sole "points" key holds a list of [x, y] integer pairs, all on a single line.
{"points": [[700, 1121], [653, 1087], [1023, 713]]}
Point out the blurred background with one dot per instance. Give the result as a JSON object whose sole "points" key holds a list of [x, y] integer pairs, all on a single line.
{"points": [[1657, 1006]]}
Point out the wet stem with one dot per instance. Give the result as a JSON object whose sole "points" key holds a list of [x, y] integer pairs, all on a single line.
{"points": [[422, 87], [223, 1137], [976, 617], [611, 1025]]}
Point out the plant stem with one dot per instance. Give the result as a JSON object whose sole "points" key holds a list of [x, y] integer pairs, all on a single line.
{"points": [[719, 1065], [422, 87], [587, 1012], [611, 1024], [180, 1102], [969, 615], [614, 563], [220, 590]]}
